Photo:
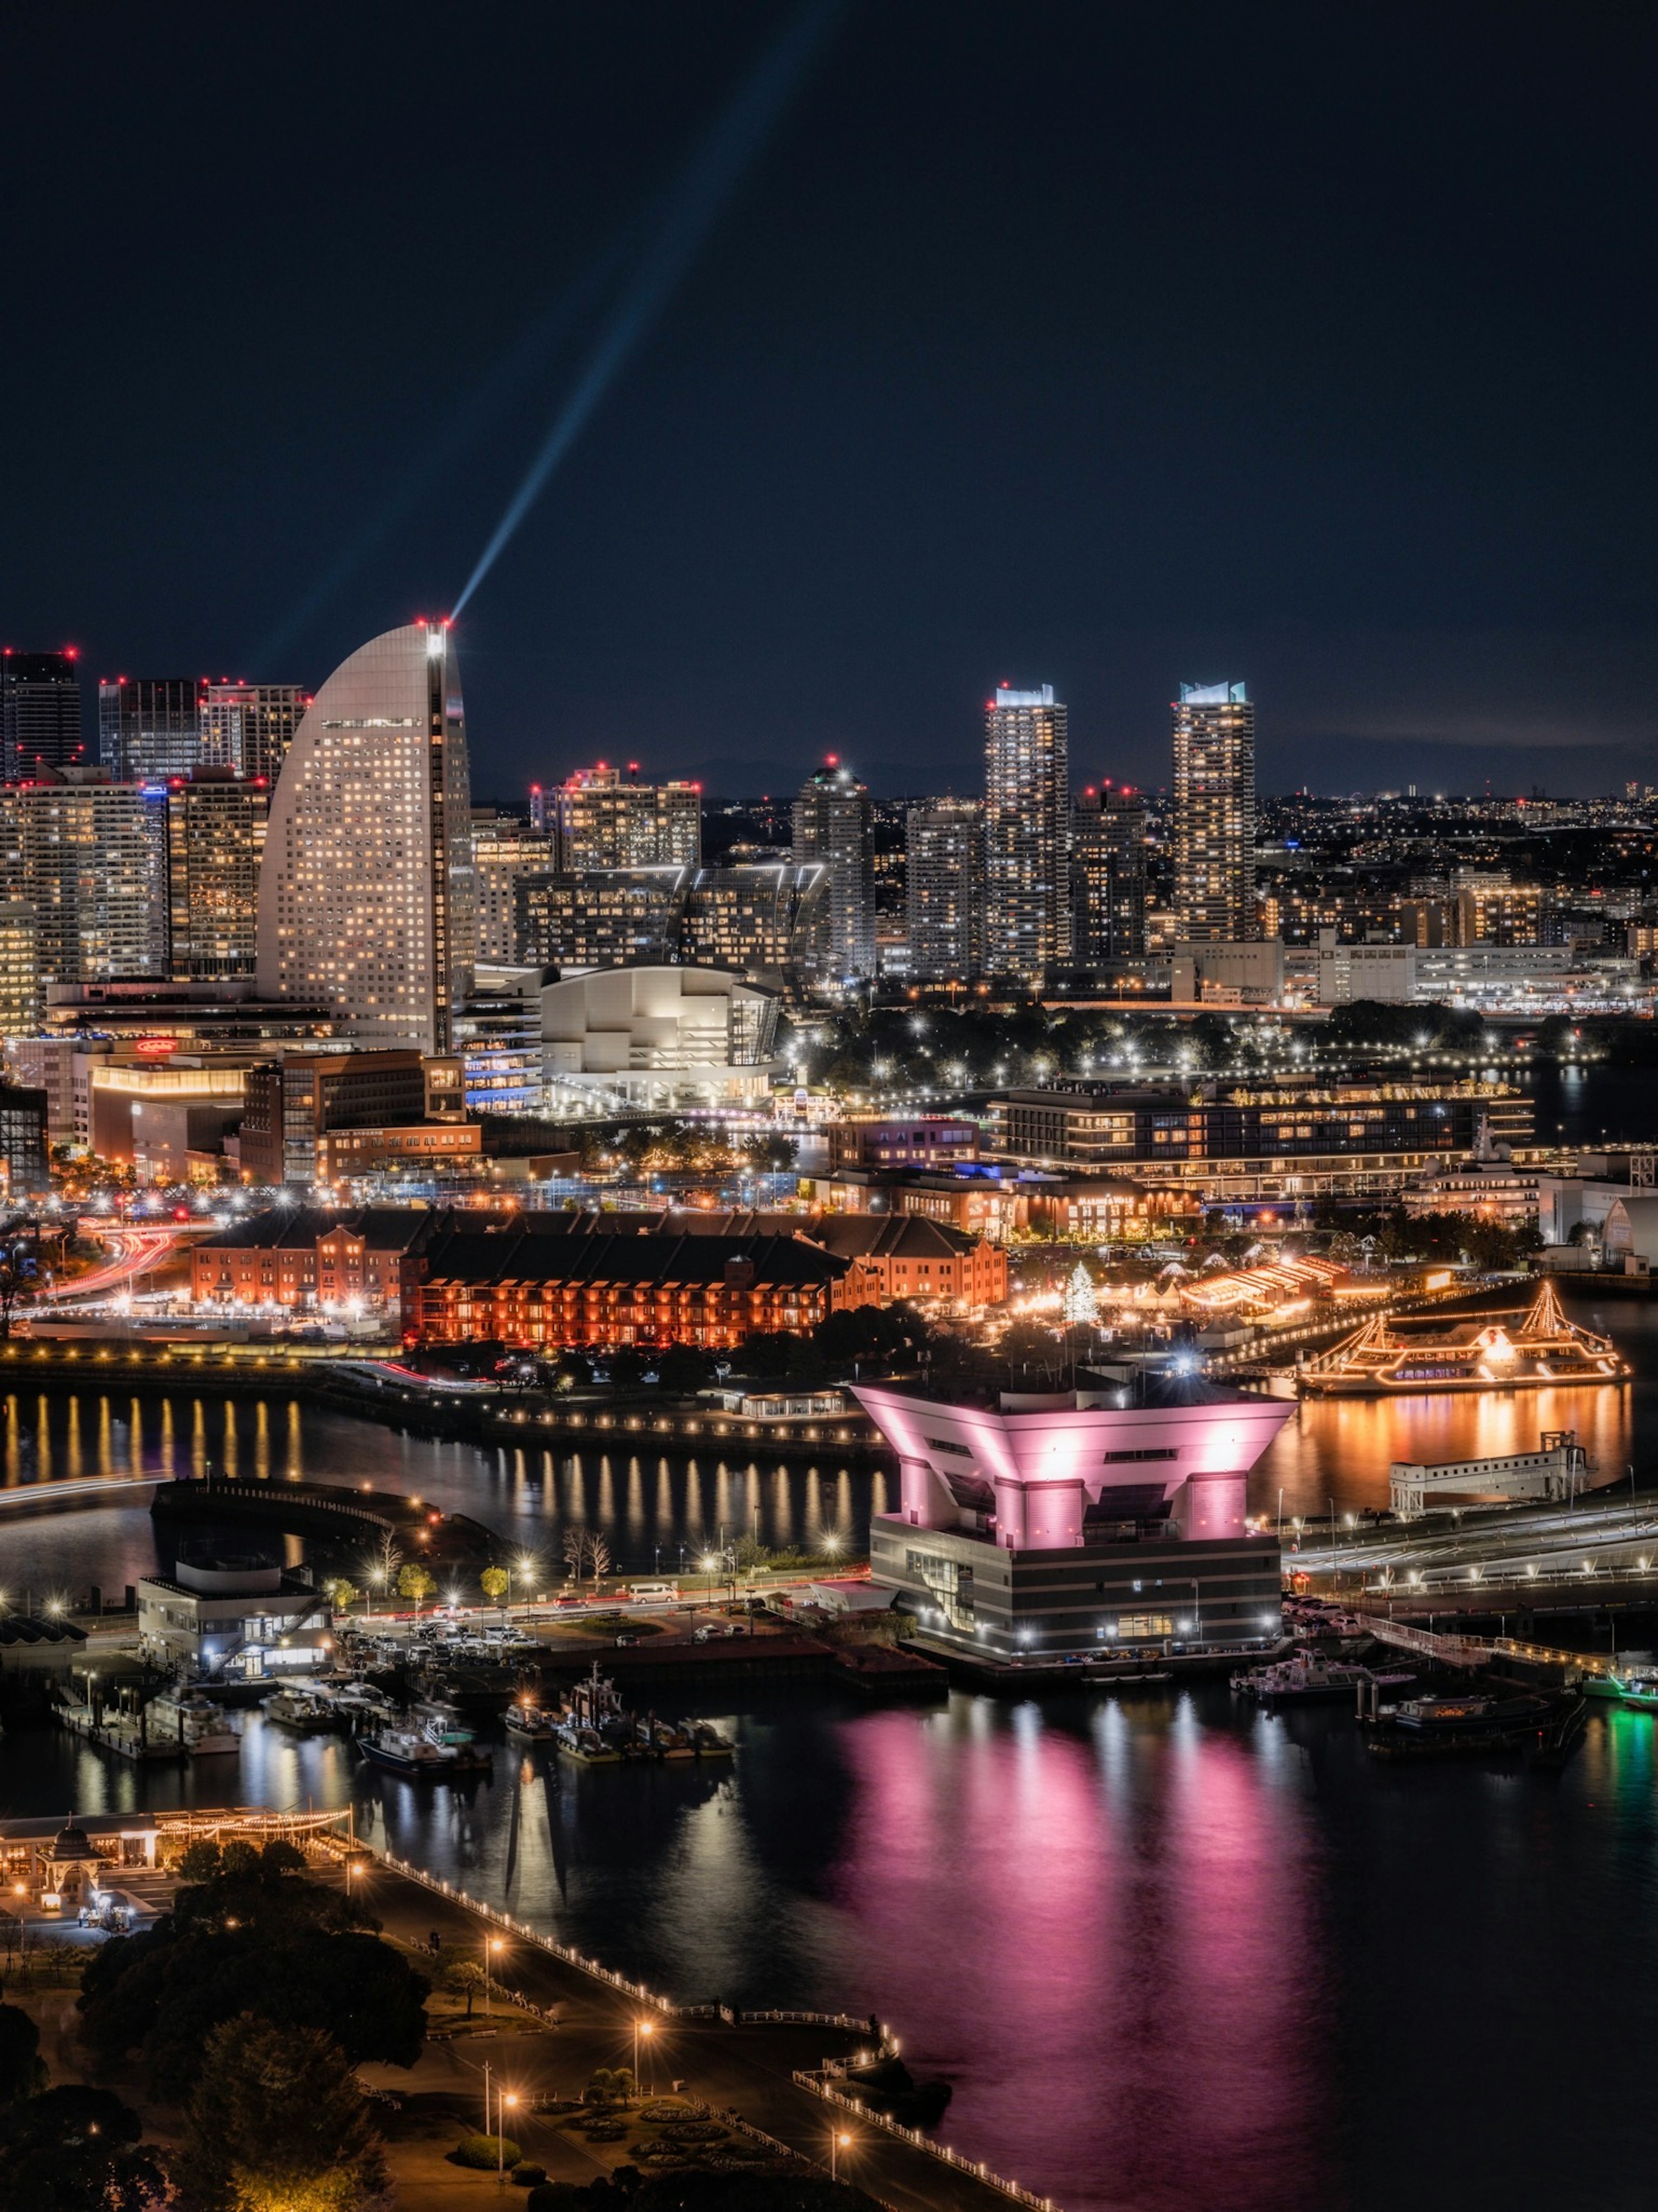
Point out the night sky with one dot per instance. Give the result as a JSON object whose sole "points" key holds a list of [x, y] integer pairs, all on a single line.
{"points": [[1106, 345]]}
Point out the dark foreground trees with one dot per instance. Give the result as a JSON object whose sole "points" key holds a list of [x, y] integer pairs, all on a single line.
{"points": [[260, 1939], [68, 2149]]}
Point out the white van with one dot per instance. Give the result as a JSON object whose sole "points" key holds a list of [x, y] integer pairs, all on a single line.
{"points": [[653, 1593]]}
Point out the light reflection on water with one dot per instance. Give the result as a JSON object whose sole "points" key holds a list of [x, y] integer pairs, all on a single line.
{"points": [[1169, 1952]]}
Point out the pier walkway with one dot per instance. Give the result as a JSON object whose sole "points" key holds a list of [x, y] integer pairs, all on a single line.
{"points": [[772, 2069]]}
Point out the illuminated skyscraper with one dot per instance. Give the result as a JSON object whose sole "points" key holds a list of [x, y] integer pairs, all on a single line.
{"points": [[1214, 815], [39, 713], [366, 893], [600, 821], [831, 824], [91, 859], [944, 887], [216, 824], [248, 727], [149, 728], [1026, 835]]}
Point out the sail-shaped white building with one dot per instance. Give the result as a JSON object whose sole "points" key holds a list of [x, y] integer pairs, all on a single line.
{"points": [[366, 891]]}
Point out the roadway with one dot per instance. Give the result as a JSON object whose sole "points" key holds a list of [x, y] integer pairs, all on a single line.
{"points": [[1537, 1545], [133, 1252]]}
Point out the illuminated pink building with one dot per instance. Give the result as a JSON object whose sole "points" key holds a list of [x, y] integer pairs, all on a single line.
{"points": [[1076, 1519]]}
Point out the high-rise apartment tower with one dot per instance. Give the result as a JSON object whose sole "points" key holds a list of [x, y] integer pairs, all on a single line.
{"points": [[39, 713], [1026, 835], [1214, 814], [1108, 875], [248, 727], [945, 888], [216, 824], [831, 824], [602, 820], [366, 893], [149, 728]]}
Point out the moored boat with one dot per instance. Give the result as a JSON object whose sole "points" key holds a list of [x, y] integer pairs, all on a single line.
{"points": [[1299, 1681], [407, 1751], [301, 1706], [531, 1723]]}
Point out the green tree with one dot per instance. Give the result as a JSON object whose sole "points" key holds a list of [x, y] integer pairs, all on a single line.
{"points": [[417, 1583], [343, 1594], [277, 2124], [494, 1582], [464, 1977]]}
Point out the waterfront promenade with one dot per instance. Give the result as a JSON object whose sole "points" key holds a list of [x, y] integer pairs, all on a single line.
{"points": [[746, 2065]]}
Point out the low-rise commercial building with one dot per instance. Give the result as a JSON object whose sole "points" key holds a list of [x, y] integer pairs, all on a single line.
{"points": [[657, 1037], [918, 1140], [1246, 973], [293, 1104], [234, 1617], [23, 1153], [1258, 1141]]}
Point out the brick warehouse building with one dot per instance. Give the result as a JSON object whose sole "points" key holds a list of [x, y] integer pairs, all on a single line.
{"points": [[544, 1282], [309, 1258]]}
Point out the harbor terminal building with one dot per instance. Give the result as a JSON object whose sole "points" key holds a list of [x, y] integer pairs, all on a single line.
{"points": [[1111, 1515]]}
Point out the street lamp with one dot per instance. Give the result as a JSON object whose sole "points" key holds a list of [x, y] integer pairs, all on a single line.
{"points": [[490, 1943], [647, 2029], [510, 2098], [838, 2142]]}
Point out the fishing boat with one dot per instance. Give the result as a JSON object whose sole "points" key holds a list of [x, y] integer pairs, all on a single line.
{"points": [[1386, 1359], [531, 1723], [591, 1726], [709, 1742], [442, 1726], [1639, 1694], [407, 1751]]}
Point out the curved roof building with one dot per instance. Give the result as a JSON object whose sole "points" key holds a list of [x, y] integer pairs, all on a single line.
{"points": [[365, 895]]}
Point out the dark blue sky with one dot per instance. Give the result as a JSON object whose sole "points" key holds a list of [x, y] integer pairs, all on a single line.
{"points": [[1102, 344]]}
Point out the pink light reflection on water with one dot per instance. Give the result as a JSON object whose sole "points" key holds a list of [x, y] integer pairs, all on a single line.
{"points": [[1104, 1940]]}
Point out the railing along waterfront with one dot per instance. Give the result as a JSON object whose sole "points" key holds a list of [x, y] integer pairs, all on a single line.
{"points": [[975, 2169], [522, 1930]]}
